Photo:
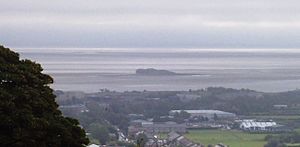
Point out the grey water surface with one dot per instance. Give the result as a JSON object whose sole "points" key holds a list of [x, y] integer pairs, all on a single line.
{"points": [[91, 69]]}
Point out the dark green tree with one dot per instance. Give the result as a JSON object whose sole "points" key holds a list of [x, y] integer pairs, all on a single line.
{"points": [[215, 117], [274, 143], [29, 115], [141, 140]]}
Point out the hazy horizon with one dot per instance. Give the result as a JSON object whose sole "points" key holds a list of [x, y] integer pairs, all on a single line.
{"points": [[151, 24], [239, 43]]}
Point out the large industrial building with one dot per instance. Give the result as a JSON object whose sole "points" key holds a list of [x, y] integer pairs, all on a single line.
{"points": [[210, 114], [263, 126], [252, 125]]}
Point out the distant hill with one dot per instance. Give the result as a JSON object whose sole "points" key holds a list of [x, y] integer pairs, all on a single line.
{"points": [[156, 72]]}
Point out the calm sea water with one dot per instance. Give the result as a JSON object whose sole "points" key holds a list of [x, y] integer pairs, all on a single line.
{"points": [[91, 69]]}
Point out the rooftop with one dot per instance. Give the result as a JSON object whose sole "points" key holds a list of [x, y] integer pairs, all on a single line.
{"points": [[202, 111]]}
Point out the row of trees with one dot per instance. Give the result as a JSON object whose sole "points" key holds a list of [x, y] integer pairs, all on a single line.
{"points": [[282, 139]]}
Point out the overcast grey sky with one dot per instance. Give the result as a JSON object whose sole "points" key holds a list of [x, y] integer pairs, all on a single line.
{"points": [[150, 23]]}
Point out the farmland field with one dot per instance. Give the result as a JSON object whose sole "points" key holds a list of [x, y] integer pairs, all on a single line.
{"points": [[228, 137]]}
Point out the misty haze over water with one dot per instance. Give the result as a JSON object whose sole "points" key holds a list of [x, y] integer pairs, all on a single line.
{"points": [[91, 69]]}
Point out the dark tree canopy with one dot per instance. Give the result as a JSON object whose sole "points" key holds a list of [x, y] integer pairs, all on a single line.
{"points": [[29, 115]]}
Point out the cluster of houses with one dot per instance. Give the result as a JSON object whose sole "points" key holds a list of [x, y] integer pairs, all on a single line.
{"points": [[140, 125], [199, 119], [150, 127], [174, 129], [155, 128], [174, 140]]}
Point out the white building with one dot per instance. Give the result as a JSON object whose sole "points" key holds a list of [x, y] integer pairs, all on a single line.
{"points": [[93, 145], [252, 125]]}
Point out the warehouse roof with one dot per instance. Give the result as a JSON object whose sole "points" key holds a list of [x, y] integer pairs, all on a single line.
{"points": [[202, 111], [248, 124]]}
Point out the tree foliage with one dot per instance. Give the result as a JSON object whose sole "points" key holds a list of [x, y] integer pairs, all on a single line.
{"points": [[141, 140], [99, 132], [274, 143], [28, 111], [281, 139]]}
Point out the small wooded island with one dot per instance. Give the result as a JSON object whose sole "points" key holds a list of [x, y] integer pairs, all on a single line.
{"points": [[154, 72]]}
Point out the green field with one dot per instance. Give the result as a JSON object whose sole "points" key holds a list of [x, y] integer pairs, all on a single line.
{"points": [[228, 137]]}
